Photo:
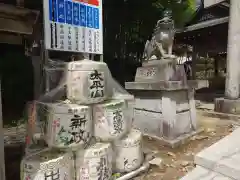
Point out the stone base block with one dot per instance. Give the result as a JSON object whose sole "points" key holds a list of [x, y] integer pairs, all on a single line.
{"points": [[155, 124], [180, 140], [200, 173], [165, 85], [161, 70], [229, 106]]}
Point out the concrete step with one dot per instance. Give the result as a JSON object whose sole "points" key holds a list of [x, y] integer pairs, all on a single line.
{"points": [[200, 173], [222, 157], [222, 116]]}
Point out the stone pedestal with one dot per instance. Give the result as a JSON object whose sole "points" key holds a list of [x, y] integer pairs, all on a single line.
{"points": [[164, 101], [228, 106], [155, 71]]}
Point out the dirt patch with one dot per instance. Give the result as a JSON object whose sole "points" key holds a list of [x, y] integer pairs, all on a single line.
{"points": [[177, 162]]}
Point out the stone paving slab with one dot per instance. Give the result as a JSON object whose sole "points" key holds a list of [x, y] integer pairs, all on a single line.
{"points": [[200, 173], [223, 157]]}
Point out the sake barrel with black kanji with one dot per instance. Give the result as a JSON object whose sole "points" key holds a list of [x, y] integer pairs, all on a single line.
{"points": [[88, 82], [69, 126], [46, 165], [128, 152], [130, 100], [95, 162], [110, 120]]}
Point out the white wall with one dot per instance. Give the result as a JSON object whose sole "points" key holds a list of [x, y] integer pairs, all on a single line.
{"points": [[208, 3]]}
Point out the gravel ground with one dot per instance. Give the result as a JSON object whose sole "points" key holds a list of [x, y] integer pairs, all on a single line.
{"points": [[177, 162]]}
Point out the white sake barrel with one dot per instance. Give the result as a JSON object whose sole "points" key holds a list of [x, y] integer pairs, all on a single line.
{"points": [[95, 162], [69, 126], [87, 82], [128, 152], [110, 120], [37, 116], [47, 165], [130, 100], [120, 93]]}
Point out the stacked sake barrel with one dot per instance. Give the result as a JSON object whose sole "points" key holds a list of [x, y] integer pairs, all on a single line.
{"points": [[89, 135]]}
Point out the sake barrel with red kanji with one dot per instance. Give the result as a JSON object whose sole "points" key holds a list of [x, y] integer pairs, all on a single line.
{"points": [[69, 126]]}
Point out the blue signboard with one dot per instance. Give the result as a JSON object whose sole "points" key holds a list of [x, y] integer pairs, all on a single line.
{"points": [[66, 18], [69, 12], [83, 15], [61, 11], [73, 13], [76, 14], [53, 10], [96, 18], [90, 17]]}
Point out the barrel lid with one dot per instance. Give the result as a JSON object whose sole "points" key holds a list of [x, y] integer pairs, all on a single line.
{"points": [[132, 139], [111, 103], [95, 150], [46, 160], [127, 97], [87, 65], [65, 108]]}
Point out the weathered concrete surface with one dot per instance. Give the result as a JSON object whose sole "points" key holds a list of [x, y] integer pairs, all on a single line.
{"points": [[233, 63], [159, 62], [221, 116], [155, 124], [233, 55], [160, 70], [166, 114], [227, 106], [166, 85], [154, 103], [222, 157], [200, 173]]}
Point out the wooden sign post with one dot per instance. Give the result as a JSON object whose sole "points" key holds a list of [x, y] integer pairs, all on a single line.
{"points": [[2, 159]]}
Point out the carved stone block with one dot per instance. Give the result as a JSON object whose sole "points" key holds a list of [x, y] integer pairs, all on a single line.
{"points": [[160, 70]]}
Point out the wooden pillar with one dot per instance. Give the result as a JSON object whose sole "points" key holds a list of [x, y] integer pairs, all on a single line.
{"points": [[216, 60], [194, 61], [2, 159], [20, 3], [233, 55], [206, 64]]}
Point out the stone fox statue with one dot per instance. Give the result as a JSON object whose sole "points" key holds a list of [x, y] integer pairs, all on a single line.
{"points": [[161, 43]]}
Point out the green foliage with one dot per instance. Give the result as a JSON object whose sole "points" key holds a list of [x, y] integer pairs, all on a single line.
{"points": [[129, 23]]}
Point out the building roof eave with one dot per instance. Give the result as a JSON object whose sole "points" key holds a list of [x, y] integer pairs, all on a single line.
{"points": [[17, 20], [204, 24]]}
